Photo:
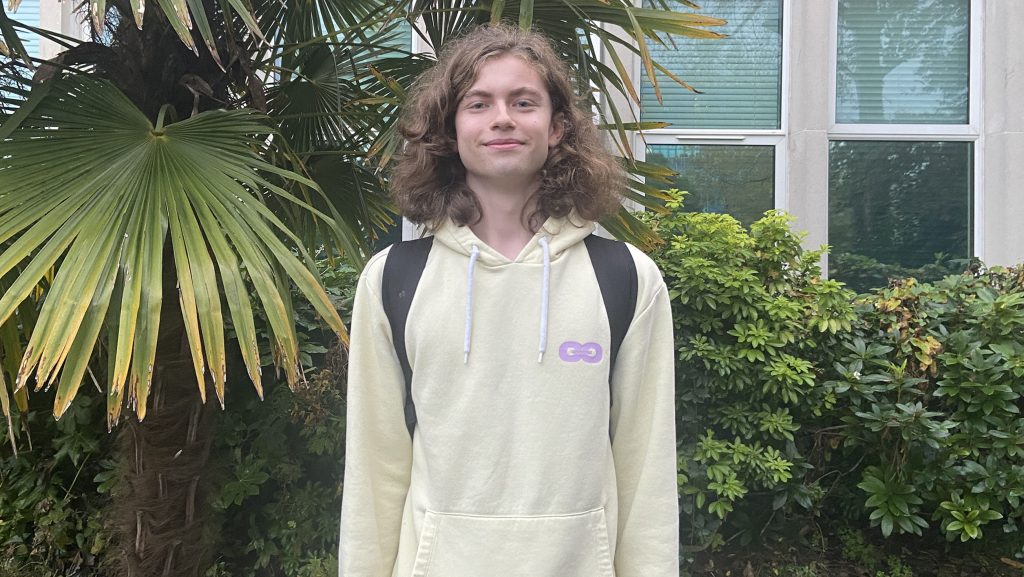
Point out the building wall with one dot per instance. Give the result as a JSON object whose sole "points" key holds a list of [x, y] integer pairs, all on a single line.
{"points": [[59, 16], [809, 122], [1003, 134]]}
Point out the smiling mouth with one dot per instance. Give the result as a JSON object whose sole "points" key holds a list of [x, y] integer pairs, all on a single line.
{"points": [[502, 144]]}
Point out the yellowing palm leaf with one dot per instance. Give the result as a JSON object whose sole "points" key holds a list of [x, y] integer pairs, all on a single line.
{"points": [[93, 190]]}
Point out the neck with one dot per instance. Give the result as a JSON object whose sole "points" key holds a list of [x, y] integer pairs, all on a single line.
{"points": [[502, 225]]}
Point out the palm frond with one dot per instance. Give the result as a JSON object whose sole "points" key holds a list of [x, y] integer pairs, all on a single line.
{"points": [[90, 176], [10, 43]]}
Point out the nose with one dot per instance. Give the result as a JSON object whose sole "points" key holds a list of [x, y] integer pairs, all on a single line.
{"points": [[502, 118]]}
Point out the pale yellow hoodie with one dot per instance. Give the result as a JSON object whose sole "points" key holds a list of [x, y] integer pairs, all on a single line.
{"points": [[520, 464]]}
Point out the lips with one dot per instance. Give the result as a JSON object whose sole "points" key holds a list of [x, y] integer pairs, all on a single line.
{"points": [[503, 143]]}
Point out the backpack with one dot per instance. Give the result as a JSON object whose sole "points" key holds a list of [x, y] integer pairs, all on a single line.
{"points": [[613, 267]]}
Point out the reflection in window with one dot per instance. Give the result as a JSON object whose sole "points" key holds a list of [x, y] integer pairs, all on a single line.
{"points": [[736, 180], [740, 76], [898, 209], [902, 61]]}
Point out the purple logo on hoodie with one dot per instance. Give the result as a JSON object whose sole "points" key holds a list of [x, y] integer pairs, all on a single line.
{"points": [[572, 351]]}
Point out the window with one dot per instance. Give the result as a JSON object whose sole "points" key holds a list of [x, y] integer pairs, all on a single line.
{"points": [[902, 149], [736, 180], [899, 209], [902, 62], [740, 77], [726, 142], [28, 13]]}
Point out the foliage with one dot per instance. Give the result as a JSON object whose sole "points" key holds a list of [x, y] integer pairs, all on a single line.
{"points": [[867, 557], [282, 465], [51, 495], [797, 403], [201, 172], [753, 322], [930, 379], [899, 409], [282, 461], [278, 466]]}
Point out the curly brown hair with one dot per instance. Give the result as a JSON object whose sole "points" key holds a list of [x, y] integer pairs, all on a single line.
{"points": [[428, 179]]}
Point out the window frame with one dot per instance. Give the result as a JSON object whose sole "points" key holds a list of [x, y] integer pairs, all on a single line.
{"points": [[972, 131], [776, 137]]}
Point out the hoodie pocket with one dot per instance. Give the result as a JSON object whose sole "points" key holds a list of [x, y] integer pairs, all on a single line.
{"points": [[458, 545]]}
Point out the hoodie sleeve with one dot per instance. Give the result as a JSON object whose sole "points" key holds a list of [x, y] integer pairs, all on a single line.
{"points": [[378, 449], [643, 435]]}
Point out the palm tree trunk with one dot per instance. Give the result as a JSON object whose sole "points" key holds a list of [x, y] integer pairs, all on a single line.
{"points": [[163, 501]]}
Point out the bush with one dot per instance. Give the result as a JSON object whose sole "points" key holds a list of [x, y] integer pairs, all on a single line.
{"points": [[929, 383], [897, 410], [53, 492], [278, 464], [282, 459], [753, 325]]}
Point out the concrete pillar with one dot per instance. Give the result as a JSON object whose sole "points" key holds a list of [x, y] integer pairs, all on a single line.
{"points": [[1002, 195]]}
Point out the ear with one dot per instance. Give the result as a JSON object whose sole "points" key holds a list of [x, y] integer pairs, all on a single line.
{"points": [[557, 130]]}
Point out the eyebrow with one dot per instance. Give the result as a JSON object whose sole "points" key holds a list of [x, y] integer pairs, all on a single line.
{"points": [[525, 90]]}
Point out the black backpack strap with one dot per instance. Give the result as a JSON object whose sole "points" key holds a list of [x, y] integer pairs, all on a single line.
{"points": [[617, 277], [402, 271]]}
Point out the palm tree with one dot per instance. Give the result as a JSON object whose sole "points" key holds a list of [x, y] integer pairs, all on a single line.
{"points": [[188, 163]]}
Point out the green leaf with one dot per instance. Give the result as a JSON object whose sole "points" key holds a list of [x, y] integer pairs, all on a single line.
{"points": [[887, 525], [12, 39], [108, 205]]}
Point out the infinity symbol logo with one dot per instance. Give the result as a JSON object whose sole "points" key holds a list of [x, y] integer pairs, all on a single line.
{"points": [[571, 351]]}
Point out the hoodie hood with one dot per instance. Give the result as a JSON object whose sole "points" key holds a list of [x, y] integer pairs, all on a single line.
{"points": [[561, 233]]}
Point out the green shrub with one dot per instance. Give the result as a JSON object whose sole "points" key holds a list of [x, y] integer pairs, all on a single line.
{"points": [[281, 460], [52, 493], [753, 325], [929, 383]]}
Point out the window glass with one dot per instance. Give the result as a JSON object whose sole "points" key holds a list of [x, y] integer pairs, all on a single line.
{"points": [[736, 180], [902, 61], [400, 35], [898, 209], [739, 76], [28, 13]]}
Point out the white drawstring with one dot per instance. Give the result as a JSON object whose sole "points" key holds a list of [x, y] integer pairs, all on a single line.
{"points": [[544, 298], [473, 254]]}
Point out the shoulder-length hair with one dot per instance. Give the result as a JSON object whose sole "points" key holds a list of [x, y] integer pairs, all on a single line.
{"points": [[428, 179]]}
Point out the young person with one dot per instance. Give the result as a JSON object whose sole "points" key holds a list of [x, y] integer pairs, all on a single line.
{"points": [[530, 455]]}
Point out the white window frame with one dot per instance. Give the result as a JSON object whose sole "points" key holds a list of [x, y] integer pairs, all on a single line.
{"points": [[970, 132], [776, 137]]}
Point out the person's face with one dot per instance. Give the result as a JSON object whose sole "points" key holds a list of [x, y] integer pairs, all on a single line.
{"points": [[504, 126]]}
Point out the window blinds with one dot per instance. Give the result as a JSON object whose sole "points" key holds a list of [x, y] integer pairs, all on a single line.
{"points": [[28, 13], [903, 61], [740, 76]]}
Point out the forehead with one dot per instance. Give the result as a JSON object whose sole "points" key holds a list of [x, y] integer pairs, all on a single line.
{"points": [[507, 72]]}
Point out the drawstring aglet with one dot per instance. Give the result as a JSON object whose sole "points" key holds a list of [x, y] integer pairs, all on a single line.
{"points": [[540, 357]]}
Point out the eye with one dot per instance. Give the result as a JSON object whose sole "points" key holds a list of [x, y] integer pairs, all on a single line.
{"points": [[474, 105], [524, 103]]}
